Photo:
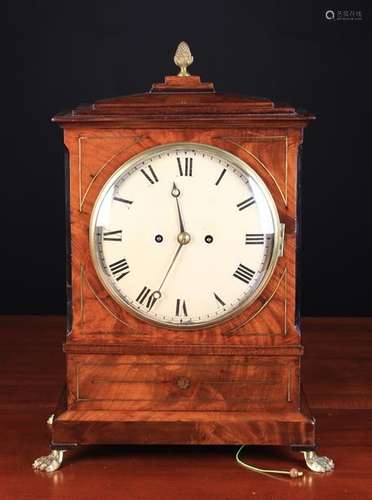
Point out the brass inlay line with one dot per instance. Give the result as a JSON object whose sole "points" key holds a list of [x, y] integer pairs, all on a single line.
{"points": [[177, 399], [81, 295], [79, 171], [170, 381], [268, 139], [156, 410], [206, 365], [82, 197], [285, 304], [77, 383], [286, 169], [257, 138]]}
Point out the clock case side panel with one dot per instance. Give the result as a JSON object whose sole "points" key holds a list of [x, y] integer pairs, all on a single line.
{"points": [[69, 319], [72, 188], [299, 243]]}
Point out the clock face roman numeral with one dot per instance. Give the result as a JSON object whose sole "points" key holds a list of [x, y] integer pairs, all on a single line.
{"points": [[147, 298], [254, 239], [244, 274], [119, 269], [181, 309], [150, 174], [185, 166], [220, 176], [113, 235], [246, 203], [123, 200], [219, 300]]}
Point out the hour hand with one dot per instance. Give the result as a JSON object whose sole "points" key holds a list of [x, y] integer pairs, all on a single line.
{"points": [[175, 193]]}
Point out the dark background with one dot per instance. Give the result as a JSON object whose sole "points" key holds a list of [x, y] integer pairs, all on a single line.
{"points": [[59, 54]]}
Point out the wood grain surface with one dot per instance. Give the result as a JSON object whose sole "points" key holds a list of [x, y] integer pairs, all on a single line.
{"points": [[337, 372]]}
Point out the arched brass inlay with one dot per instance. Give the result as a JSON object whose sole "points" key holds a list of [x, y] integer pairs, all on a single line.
{"points": [[233, 140], [283, 276], [136, 140], [107, 308], [82, 197], [84, 280]]}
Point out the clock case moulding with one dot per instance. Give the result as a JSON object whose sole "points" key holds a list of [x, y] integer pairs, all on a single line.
{"points": [[233, 383]]}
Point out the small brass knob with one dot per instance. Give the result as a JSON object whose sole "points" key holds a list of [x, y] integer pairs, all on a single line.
{"points": [[183, 238], [183, 382]]}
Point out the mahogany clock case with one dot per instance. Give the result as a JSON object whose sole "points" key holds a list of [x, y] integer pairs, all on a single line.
{"points": [[132, 382]]}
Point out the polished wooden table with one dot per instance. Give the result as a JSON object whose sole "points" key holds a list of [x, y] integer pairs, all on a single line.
{"points": [[337, 372]]}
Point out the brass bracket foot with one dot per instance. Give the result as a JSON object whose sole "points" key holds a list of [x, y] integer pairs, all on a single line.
{"points": [[49, 463], [318, 464]]}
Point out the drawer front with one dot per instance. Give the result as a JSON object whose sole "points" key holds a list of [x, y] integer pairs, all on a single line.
{"points": [[194, 383]]}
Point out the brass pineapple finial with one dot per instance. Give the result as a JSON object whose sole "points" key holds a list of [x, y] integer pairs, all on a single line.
{"points": [[183, 58]]}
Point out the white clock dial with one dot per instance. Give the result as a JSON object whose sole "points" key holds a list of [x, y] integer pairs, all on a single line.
{"points": [[184, 235]]}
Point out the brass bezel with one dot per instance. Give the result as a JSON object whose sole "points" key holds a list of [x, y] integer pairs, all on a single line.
{"points": [[242, 165]]}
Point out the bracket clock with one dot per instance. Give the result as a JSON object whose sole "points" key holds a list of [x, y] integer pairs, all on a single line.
{"points": [[182, 304]]}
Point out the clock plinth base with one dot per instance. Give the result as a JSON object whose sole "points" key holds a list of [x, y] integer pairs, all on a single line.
{"points": [[72, 428], [98, 427]]}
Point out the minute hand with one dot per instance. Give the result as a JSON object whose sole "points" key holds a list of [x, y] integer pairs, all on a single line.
{"points": [[175, 193]]}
